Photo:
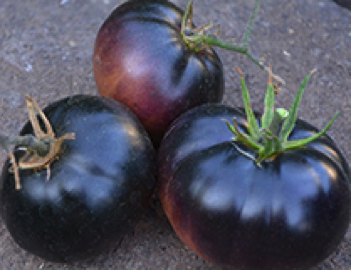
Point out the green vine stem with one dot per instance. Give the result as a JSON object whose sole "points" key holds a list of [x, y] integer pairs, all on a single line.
{"points": [[197, 39], [271, 137]]}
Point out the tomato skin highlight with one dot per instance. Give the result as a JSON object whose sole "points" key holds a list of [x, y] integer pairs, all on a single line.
{"points": [[141, 61], [98, 188], [291, 213]]}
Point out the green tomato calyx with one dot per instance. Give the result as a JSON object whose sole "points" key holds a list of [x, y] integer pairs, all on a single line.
{"points": [[197, 40], [271, 137]]}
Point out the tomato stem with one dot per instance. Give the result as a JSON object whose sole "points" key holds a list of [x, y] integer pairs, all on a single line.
{"points": [[271, 137], [30, 142], [41, 148], [197, 39], [250, 25]]}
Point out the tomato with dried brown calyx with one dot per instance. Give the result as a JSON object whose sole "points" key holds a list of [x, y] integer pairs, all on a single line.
{"points": [[85, 197]]}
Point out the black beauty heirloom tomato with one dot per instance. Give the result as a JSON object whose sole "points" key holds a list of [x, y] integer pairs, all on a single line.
{"points": [[78, 201], [274, 197], [143, 57]]}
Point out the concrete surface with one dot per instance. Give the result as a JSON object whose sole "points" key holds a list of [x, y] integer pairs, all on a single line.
{"points": [[46, 52]]}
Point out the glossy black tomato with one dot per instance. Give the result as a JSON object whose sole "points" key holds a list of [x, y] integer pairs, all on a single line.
{"points": [[96, 189], [344, 3], [286, 213], [141, 59]]}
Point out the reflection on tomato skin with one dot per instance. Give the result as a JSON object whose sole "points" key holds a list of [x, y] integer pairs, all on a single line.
{"points": [[289, 213]]}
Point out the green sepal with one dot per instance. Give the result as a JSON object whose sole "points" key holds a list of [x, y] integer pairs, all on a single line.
{"points": [[253, 127], [289, 122], [301, 142], [271, 147], [240, 136], [276, 125], [269, 112]]}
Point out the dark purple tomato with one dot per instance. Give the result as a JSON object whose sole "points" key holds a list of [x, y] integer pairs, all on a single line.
{"points": [[344, 3], [289, 213], [140, 59], [98, 187]]}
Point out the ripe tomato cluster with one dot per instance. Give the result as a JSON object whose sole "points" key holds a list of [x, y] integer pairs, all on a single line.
{"points": [[243, 189]]}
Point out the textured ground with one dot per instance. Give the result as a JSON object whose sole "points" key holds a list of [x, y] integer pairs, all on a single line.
{"points": [[46, 52]]}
